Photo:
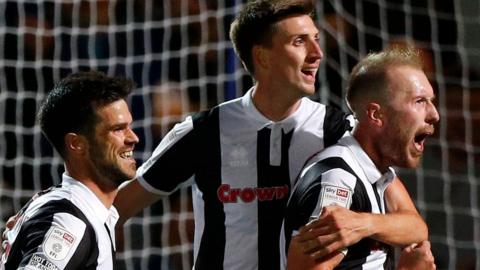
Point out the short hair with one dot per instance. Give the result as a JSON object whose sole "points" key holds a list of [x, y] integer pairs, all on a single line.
{"points": [[369, 79], [70, 105], [254, 24]]}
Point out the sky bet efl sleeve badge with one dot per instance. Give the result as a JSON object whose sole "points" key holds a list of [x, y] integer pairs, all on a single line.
{"points": [[58, 243], [332, 195]]}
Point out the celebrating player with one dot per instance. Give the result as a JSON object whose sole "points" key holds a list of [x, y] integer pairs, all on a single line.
{"points": [[393, 101], [71, 226], [242, 156]]}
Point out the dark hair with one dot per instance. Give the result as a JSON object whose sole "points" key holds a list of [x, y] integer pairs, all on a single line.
{"points": [[369, 77], [254, 24], [70, 106]]}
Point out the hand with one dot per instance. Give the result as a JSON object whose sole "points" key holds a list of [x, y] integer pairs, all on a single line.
{"points": [[335, 229], [297, 260], [4, 248], [417, 257]]}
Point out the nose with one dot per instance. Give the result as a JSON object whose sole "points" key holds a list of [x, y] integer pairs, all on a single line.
{"points": [[432, 114], [315, 52], [131, 137]]}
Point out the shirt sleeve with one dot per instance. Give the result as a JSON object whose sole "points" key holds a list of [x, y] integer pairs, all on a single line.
{"points": [[171, 165], [336, 188], [57, 241], [323, 183]]}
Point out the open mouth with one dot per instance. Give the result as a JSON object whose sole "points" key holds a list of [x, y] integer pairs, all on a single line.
{"points": [[309, 73], [419, 140], [127, 154]]}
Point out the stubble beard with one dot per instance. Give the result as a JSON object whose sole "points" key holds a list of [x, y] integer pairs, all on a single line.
{"points": [[109, 170]]}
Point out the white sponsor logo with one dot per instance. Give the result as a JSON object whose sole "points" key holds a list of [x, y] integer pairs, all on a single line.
{"points": [[58, 243], [38, 262]]}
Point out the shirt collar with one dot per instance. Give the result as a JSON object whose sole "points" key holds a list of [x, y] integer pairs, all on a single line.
{"points": [[371, 171], [261, 121], [105, 215]]}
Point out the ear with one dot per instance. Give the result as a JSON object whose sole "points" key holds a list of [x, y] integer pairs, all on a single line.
{"points": [[260, 56], [75, 143], [375, 114]]}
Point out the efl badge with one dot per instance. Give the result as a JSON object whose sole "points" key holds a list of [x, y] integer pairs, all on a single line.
{"points": [[332, 195], [58, 243]]}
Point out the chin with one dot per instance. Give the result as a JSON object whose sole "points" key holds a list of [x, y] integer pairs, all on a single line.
{"points": [[130, 174], [413, 163]]}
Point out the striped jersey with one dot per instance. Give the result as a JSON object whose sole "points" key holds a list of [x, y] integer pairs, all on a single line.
{"points": [[66, 227], [241, 166], [342, 175]]}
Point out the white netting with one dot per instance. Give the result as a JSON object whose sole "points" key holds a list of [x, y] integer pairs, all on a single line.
{"points": [[179, 55]]}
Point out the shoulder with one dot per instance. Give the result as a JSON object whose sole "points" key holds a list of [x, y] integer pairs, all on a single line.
{"points": [[62, 212], [326, 167]]}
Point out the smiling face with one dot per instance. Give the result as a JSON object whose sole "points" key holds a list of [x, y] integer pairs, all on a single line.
{"points": [[111, 149], [294, 56], [409, 117]]}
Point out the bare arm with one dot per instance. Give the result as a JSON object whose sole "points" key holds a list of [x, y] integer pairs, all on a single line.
{"points": [[402, 225], [131, 199], [339, 227]]}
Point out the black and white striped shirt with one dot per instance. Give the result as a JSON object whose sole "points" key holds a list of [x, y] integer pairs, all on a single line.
{"points": [[241, 166], [66, 227], [343, 175]]}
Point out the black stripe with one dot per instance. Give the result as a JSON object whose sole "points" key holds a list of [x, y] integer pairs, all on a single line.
{"points": [[334, 125], [389, 263], [377, 196], [305, 198], [175, 166], [271, 212], [208, 178], [111, 243], [33, 233]]}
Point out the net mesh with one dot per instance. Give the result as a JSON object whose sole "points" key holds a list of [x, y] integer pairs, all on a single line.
{"points": [[179, 55]]}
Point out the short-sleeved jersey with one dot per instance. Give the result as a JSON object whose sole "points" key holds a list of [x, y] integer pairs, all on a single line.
{"points": [[66, 227], [342, 175], [242, 166]]}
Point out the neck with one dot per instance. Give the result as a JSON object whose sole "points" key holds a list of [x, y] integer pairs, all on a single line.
{"points": [[369, 143], [274, 104], [105, 193]]}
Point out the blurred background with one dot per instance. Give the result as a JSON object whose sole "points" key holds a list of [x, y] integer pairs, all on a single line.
{"points": [[180, 57]]}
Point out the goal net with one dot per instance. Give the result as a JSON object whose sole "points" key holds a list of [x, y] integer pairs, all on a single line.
{"points": [[180, 57]]}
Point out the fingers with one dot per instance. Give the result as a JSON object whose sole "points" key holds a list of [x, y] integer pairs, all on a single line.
{"points": [[3, 240], [326, 234], [316, 230], [321, 246], [424, 248], [424, 245], [11, 222], [327, 222], [9, 226], [417, 257]]}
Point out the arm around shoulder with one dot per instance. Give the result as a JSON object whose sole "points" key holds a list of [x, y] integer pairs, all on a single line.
{"points": [[132, 198], [339, 227], [402, 225]]}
